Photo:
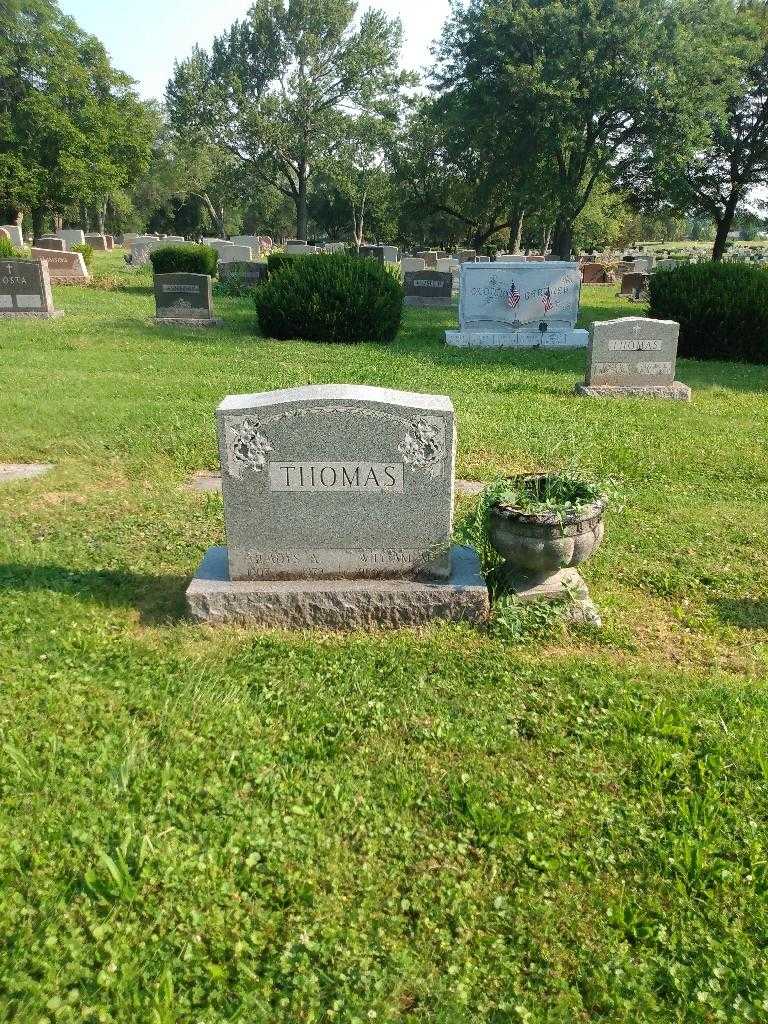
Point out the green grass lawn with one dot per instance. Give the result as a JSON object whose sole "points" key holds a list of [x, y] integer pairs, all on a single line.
{"points": [[438, 826]]}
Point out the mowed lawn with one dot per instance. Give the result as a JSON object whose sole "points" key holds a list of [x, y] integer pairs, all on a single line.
{"points": [[441, 826]]}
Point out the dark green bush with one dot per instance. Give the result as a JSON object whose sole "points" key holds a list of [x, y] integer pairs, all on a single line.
{"points": [[276, 261], [186, 258], [86, 251], [722, 309], [8, 250], [331, 298]]}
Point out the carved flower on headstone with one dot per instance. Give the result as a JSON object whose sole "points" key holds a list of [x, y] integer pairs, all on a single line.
{"points": [[250, 447], [423, 447]]}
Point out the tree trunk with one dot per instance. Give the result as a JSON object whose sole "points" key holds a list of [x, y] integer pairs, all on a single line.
{"points": [[301, 205], [84, 219], [516, 231], [38, 221], [58, 222], [724, 225], [101, 216], [546, 237], [562, 242]]}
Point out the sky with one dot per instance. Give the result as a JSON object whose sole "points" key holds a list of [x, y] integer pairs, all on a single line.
{"points": [[145, 37]]}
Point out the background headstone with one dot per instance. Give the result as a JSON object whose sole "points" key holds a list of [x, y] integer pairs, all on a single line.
{"points": [[409, 264], [72, 236], [253, 273], [186, 298], [235, 253], [372, 252], [15, 234], [97, 242], [633, 357], [51, 242], [428, 288], [63, 267], [519, 305]]}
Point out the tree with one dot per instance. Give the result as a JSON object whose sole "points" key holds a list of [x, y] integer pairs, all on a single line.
{"points": [[288, 86], [718, 179], [72, 131], [595, 85]]}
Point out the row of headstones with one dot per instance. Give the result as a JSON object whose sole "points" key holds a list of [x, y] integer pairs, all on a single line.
{"points": [[238, 249]]}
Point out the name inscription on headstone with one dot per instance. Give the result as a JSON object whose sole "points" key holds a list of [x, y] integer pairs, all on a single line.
{"points": [[376, 477]]}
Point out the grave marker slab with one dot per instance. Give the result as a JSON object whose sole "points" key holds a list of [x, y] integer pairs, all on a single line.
{"points": [[428, 288], [372, 252], [97, 242], [25, 290], [185, 300], [15, 234], [519, 305], [235, 254], [72, 236], [253, 273], [63, 267], [338, 506], [51, 242], [633, 357]]}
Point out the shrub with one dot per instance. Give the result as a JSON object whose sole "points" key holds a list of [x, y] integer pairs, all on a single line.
{"points": [[277, 261], [722, 309], [331, 298], [86, 251], [8, 250], [186, 258]]}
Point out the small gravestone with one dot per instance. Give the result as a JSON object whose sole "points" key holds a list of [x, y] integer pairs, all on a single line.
{"points": [[338, 506], [51, 242], [633, 358], [184, 300], [633, 285], [235, 253], [409, 264], [72, 236], [25, 290], [63, 267], [251, 272], [428, 288], [429, 256], [97, 242], [519, 305], [296, 245], [594, 273], [15, 234], [391, 253], [372, 252]]}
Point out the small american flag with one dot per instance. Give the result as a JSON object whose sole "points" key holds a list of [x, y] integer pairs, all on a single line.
{"points": [[546, 301], [513, 297]]}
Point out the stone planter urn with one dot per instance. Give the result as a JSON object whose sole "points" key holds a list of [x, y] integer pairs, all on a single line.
{"points": [[541, 550]]}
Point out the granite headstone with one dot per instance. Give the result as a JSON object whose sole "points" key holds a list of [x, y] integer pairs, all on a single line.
{"points": [[184, 299], [519, 305], [633, 357], [428, 288], [25, 290], [338, 507]]}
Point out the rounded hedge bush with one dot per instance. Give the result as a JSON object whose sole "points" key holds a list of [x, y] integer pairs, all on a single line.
{"points": [[332, 297], [186, 258], [722, 309]]}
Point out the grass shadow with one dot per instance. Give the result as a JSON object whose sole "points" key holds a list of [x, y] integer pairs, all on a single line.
{"points": [[158, 599], [744, 612]]}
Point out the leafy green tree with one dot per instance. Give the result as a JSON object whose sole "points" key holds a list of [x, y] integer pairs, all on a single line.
{"points": [[594, 85], [72, 131], [718, 179], [290, 85]]}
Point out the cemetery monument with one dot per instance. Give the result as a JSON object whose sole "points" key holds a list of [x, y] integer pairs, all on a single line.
{"points": [[338, 506], [633, 358]]}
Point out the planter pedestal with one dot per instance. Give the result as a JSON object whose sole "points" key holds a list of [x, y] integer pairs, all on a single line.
{"points": [[565, 584]]}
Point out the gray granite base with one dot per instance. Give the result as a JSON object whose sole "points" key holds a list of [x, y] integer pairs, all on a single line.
{"points": [[180, 321], [677, 391], [214, 599], [568, 584], [52, 314]]}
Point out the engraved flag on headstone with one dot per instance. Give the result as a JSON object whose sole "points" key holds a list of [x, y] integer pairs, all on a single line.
{"points": [[513, 297]]}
